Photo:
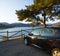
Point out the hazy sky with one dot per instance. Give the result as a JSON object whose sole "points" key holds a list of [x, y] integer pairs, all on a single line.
{"points": [[8, 7]]}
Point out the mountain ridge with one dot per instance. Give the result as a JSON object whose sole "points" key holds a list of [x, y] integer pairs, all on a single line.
{"points": [[7, 25]]}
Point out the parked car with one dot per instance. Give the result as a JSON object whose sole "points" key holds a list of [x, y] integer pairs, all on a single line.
{"points": [[47, 38]]}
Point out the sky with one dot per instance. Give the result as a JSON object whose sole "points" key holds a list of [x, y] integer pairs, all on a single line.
{"points": [[8, 9]]}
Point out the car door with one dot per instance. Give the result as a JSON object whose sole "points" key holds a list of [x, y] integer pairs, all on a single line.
{"points": [[44, 38], [35, 35]]}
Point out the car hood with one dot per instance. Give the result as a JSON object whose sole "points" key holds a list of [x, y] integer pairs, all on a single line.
{"points": [[48, 37]]}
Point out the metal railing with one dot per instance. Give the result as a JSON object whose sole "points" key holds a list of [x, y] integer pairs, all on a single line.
{"points": [[7, 35]]}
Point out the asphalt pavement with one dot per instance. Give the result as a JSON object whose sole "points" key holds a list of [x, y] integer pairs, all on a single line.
{"points": [[18, 48]]}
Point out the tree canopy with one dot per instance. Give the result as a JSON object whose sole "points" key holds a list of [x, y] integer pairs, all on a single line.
{"points": [[48, 8]]}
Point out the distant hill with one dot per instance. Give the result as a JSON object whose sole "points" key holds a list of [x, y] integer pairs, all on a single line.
{"points": [[4, 23], [19, 25], [7, 25]]}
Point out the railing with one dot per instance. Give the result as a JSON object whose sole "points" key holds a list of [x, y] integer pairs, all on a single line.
{"points": [[8, 35]]}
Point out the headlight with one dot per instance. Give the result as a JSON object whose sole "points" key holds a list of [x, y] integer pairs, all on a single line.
{"points": [[33, 37]]}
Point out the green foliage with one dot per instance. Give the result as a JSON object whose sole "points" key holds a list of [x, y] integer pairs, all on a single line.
{"points": [[23, 14], [44, 3]]}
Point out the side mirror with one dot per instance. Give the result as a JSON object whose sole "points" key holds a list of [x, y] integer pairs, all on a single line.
{"points": [[30, 34]]}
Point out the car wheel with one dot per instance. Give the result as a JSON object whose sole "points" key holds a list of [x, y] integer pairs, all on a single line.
{"points": [[56, 52], [26, 41]]}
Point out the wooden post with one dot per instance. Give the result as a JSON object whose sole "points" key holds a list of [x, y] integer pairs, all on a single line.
{"points": [[21, 32], [7, 35], [44, 18]]}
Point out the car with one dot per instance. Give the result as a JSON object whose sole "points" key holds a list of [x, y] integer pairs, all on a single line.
{"points": [[47, 38]]}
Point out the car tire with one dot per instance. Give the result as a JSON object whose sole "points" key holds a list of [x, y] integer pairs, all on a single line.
{"points": [[56, 52], [26, 41]]}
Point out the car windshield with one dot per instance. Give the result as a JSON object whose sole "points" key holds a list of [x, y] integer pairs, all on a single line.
{"points": [[47, 32], [36, 32]]}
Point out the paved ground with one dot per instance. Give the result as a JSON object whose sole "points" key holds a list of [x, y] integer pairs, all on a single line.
{"points": [[17, 48]]}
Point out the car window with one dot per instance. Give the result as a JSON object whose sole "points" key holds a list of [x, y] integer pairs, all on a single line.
{"points": [[36, 32], [57, 31], [47, 32]]}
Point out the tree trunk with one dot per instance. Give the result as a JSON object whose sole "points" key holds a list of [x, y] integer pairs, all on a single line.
{"points": [[44, 19]]}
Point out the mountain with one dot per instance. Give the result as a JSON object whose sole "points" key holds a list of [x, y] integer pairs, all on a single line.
{"points": [[4, 23], [7, 25], [20, 25]]}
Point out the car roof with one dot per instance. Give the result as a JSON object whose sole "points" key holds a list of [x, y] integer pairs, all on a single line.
{"points": [[54, 27], [50, 28]]}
